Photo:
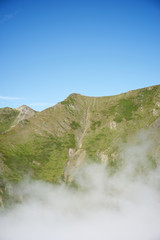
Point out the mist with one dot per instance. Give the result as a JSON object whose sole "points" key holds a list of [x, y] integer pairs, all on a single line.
{"points": [[124, 205]]}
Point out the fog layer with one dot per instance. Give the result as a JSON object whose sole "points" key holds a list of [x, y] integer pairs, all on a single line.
{"points": [[120, 206]]}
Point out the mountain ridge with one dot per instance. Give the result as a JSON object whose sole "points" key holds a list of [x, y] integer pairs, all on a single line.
{"points": [[50, 145]]}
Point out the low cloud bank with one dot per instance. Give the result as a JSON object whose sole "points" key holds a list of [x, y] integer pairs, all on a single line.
{"points": [[122, 206]]}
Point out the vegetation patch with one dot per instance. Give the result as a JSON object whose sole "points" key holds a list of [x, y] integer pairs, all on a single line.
{"points": [[68, 101], [125, 110], [7, 117], [75, 125], [95, 124], [50, 152], [145, 96]]}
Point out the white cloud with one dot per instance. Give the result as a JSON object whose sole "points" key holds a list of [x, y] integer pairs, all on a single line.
{"points": [[10, 98]]}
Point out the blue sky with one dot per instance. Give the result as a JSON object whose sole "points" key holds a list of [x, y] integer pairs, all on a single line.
{"points": [[50, 49]]}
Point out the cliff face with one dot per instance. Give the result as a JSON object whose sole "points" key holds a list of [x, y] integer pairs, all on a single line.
{"points": [[51, 144]]}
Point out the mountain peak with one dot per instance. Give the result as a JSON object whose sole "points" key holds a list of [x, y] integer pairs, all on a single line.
{"points": [[24, 108], [25, 112]]}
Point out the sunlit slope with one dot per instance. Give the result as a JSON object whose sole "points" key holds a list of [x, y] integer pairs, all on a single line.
{"points": [[9, 117], [48, 144]]}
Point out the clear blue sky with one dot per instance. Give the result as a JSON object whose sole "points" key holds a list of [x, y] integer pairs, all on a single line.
{"points": [[52, 48]]}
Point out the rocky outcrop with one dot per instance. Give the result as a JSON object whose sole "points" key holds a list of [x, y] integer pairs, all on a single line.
{"points": [[76, 158], [25, 112], [103, 157], [113, 125]]}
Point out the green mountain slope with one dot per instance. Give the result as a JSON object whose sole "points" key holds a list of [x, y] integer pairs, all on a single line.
{"points": [[48, 145]]}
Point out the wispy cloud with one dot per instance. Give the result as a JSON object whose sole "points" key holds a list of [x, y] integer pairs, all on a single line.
{"points": [[10, 98], [7, 17], [41, 104]]}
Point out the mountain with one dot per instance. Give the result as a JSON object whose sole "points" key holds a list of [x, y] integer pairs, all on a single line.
{"points": [[11, 117], [49, 145]]}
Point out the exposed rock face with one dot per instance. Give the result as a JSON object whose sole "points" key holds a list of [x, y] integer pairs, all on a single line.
{"points": [[113, 125], [76, 158], [36, 163], [103, 157], [25, 112]]}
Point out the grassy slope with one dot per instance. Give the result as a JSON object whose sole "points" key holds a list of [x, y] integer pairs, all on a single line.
{"points": [[7, 117], [130, 111], [39, 146]]}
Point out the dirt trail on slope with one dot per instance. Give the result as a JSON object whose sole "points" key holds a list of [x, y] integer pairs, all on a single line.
{"points": [[86, 123]]}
